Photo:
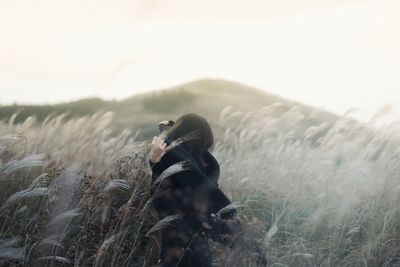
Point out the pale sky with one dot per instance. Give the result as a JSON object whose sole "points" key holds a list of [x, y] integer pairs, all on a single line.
{"points": [[334, 54]]}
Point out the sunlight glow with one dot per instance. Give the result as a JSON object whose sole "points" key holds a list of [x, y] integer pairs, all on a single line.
{"points": [[331, 54]]}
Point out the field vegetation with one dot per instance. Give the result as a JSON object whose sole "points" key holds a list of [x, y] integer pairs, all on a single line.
{"points": [[75, 191]]}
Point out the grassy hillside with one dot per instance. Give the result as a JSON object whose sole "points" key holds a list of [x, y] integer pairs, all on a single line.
{"points": [[206, 97], [75, 194]]}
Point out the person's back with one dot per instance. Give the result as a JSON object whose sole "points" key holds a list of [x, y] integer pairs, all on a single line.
{"points": [[192, 192]]}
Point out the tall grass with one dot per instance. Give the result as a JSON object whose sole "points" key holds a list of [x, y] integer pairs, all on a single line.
{"points": [[333, 199], [76, 193]]}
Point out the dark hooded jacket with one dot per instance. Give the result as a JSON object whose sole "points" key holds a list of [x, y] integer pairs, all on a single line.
{"points": [[193, 193]]}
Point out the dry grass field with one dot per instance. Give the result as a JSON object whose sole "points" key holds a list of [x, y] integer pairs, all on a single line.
{"points": [[76, 193]]}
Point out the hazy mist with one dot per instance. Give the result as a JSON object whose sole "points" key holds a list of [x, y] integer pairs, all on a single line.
{"points": [[332, 54]]}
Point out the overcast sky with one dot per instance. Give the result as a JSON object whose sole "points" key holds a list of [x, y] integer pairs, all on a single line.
{"points": [[335, 54]]}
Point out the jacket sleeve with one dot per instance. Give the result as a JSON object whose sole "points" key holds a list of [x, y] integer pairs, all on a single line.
{"points": [[226, 231], [156, 169], [169, 196], [225, 225]]}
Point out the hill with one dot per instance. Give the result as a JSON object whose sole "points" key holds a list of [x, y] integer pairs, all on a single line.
{"points": [[142, 112]]}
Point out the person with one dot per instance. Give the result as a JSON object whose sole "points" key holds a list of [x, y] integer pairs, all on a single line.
{"points": [[189, 195]]}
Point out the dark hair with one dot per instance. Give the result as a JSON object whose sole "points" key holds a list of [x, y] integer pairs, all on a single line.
{"points": [[196, 133]]}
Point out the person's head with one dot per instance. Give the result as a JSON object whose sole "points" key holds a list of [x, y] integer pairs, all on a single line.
{"points": [[196, 134]]}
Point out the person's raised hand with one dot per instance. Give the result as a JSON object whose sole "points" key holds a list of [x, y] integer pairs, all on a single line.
{"points": [[158, 146]]}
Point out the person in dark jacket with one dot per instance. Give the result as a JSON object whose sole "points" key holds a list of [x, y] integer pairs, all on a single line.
{"points": [[185, 188]]}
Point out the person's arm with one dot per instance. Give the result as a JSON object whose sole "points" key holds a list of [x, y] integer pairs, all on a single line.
{"points": [[226, 231], [157, 156], [229, 230], [162, 192], [156, 169], [224, 222]]}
